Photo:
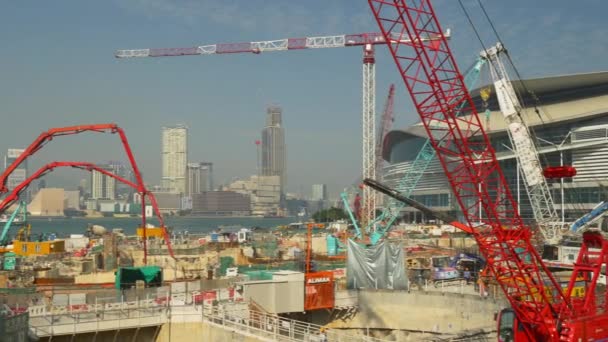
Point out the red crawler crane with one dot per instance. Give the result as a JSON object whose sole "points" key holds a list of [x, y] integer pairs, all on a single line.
{"points": [[47, 136], [541, 311]]}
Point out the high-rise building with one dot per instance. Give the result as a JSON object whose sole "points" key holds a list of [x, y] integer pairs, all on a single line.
{"points": [[102, 186], [174, 158], [84, 190], [206, 176], [123, 191], [193, 179], [319, 192], [19, 174], [199, 178], [273, 146]]}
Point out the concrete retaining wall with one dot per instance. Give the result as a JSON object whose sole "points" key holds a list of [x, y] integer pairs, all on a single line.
{"points": [[187, 332], [443, 313], [135, 335]]}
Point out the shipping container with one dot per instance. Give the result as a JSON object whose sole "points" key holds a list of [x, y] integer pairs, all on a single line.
{"points": [[319, 291]]}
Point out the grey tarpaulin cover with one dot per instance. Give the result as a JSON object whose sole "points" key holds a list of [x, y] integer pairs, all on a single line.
{"points": [[376, 267]]}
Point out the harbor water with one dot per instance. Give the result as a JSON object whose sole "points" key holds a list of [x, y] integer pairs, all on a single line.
{"points": [[66, 226]]}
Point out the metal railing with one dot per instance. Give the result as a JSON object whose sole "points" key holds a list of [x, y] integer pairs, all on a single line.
{"points": [[271, 327], [93, 320], [241, 320]]}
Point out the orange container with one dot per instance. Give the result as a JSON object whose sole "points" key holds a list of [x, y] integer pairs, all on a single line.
{"points": [[319, 287]]}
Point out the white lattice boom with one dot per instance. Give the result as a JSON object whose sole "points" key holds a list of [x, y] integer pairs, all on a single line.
{"points": [[522, 143]]}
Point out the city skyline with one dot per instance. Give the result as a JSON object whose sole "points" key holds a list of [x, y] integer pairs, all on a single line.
{"points": [[219, 97]]}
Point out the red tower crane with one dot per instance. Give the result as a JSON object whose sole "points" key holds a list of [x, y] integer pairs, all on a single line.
{"points": [[47, 136], [541, 310], [366, 40]]}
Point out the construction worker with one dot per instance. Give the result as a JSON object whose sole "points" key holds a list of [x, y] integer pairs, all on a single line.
{"points": [[482, 287], [467, 275], [322, 336]]}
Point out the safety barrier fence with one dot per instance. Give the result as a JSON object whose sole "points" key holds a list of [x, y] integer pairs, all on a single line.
{"points": [[145, 313]]}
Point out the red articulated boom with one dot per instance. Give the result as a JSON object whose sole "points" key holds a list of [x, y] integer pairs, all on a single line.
{"points": [[13, 196], [542, 312], [47, 136]]}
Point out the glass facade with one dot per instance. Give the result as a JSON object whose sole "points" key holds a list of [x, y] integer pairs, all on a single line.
{"points": [[580, 193]]}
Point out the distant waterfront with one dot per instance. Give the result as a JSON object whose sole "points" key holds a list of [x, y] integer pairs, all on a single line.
{"points": [[66, 226]]}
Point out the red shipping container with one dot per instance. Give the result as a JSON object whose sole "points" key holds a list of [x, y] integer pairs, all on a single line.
{"points": [[319, 287]]}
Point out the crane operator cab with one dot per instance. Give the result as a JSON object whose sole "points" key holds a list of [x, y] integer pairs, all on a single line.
{"points": [[508, 327]]}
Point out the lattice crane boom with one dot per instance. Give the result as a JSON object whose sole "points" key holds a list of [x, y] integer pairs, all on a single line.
{"points": [[536, 186], [320, 42]]}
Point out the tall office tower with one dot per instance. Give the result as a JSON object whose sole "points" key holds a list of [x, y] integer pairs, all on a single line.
{"points": [[174, 158], [273, 146], [206, 176], [102, 186], [319, 192], [19, 174]]}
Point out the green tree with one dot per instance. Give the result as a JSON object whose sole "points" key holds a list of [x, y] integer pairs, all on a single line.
{"points": [[331, 214]]}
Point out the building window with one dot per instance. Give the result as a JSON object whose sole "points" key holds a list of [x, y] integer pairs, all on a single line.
{"points": [[37, 248], [24, 248]]}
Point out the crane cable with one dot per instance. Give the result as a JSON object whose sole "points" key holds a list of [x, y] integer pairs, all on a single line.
{"points": [[522, 82], [535, 98], [525, 88], [551, 308]]}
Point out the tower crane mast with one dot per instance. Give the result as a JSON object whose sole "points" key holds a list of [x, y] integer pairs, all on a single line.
{"points": [[542, 310], [365, 40]]}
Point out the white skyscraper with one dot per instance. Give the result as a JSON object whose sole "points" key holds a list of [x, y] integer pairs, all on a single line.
{"points": [[102, 186], [174, 158]]}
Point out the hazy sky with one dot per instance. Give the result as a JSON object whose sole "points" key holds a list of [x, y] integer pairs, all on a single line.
{"points": [[57, 68]]}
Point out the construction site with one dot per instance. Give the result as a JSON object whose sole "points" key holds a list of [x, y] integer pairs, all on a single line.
{"points": [[482, 221]]}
